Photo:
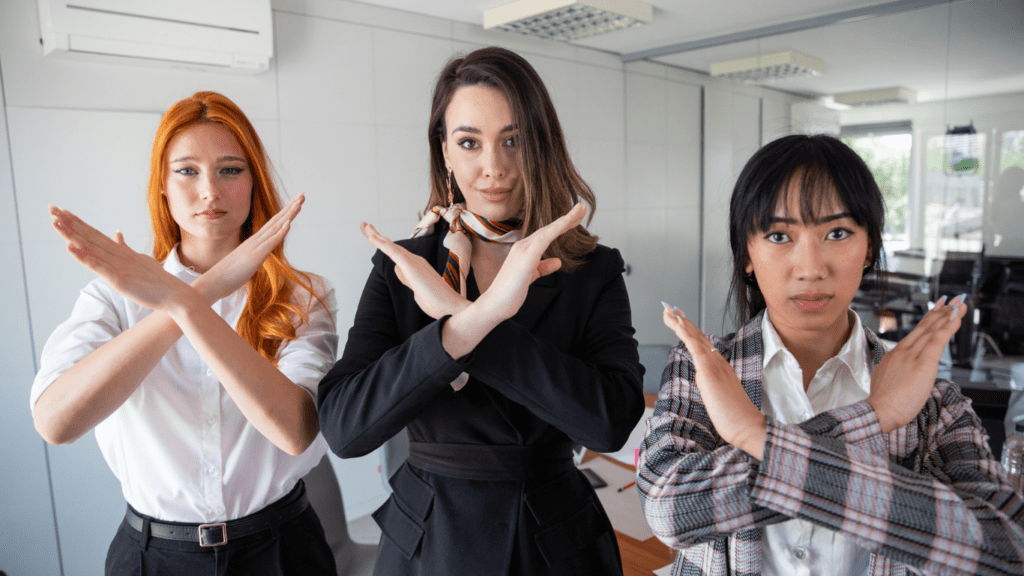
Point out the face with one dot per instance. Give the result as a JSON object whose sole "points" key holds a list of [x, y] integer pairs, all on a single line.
{"points": [[809, 273], [208, 186], [480, 148]]}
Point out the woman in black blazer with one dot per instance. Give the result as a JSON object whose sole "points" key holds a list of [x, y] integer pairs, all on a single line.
{"points": [[499, 335]]}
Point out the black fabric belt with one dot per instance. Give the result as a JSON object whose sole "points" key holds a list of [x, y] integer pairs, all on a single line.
{"points": [[219, 533], [492, 462]]}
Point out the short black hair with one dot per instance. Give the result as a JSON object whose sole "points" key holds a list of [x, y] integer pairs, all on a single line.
{"points": [[829, 171]]}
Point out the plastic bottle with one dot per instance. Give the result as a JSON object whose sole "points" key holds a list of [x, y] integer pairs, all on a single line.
{"points": [[1013, 457]]}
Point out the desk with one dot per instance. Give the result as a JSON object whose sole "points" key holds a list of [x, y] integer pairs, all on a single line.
{"points": [[639, 558]]}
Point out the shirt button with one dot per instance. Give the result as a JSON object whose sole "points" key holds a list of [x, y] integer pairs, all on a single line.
{"points": [[800, 553], [806, 415], [211, 422], [211, 471], [209, 372]]}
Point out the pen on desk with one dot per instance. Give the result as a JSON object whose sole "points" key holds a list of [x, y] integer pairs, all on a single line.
{"points": [[627, 486]]}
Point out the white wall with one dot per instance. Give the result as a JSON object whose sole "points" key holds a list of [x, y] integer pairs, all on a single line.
{"points": [[343, 112]]}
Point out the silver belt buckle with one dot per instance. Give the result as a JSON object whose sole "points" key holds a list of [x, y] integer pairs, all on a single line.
{"points": [[223, 534]]}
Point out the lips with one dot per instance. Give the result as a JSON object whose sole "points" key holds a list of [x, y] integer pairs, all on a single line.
{"points": [[811, 302], [211, 214], [495, 194]]}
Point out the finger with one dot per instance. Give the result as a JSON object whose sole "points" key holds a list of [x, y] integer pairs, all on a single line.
{"points": [[90, 261], [927, 324], [397, 254], [692, 336], [547, 266], [934, 331], [547, 234], [672, 322], [286, 214], [78, 233], [119, 238]]}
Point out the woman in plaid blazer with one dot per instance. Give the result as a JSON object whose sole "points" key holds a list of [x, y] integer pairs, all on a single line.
{"points": [[800, 444]]}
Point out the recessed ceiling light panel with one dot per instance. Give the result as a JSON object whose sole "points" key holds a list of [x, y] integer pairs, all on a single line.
{"points": [[769, 67], [893, 95], [567, 19]]}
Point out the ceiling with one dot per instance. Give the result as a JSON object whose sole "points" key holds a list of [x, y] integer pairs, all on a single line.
{"points": [[940, 49]]}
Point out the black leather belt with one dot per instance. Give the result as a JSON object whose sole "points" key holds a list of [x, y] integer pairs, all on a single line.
{"points": [[218, 533], [492, 462]]}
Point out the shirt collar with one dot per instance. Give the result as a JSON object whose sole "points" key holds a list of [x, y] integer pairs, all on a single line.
{"points": [[173, 265], [853, 354]]}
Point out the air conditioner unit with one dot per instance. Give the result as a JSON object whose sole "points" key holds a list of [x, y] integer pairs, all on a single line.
{"points": [[225, 35]]}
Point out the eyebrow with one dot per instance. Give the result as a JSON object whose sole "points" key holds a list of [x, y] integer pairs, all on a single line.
{"points": [[474, 130], [823, 220], [221, 159]]}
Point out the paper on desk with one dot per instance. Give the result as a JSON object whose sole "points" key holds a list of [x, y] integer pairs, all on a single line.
{"points": [[665, 571], [626, 455], [623, 508]]}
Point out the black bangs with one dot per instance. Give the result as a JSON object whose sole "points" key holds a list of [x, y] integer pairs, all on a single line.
{"points": [[830, 176]]}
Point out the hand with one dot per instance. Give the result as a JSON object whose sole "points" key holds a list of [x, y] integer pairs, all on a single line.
{"points": [[523, 265], [235, 269], [433, 295], [903, 380], [732, 413], [137, 277]]}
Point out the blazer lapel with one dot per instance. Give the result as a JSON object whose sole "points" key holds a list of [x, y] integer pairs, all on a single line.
{"points": [[541, 292]]}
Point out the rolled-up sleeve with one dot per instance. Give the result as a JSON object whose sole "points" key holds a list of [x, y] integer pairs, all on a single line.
{"points": [[305, 359], [96, 319]]}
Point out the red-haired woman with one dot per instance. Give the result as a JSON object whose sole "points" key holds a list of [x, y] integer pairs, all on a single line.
{"points": [[209, 434]]}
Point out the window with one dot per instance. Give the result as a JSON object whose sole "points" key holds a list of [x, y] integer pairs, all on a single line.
{"points": [[885, 148]]}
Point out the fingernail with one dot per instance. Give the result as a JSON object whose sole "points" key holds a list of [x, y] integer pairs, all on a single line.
{"points": [[667, 307], [680, 312], [960, 299], [956, 310], [940, 302]]}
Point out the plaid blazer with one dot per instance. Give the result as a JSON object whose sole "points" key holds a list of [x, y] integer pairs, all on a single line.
{"points": [[927, 497]]}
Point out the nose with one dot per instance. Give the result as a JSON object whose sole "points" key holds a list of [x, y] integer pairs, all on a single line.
{"points": [[496, 162], [810, 262], [207, 187]]}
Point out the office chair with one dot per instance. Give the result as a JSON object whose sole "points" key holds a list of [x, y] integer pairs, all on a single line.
{"points": [[324, 493], [654, 357]]}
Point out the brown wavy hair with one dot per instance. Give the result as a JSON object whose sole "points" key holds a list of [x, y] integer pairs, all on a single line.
{"points": [[552, 185], [270, 315]]}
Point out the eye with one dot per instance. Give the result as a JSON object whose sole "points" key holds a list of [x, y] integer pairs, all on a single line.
{"points": [[839, 234], [186, 171], [776, 237], [232, 170], [467, 143], [510, 141]]}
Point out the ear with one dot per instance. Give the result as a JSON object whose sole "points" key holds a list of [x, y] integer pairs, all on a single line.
{"points": [[444, 152], [750, 267]]}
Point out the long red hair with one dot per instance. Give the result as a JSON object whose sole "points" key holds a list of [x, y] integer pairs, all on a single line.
{"points": [[270, 315]]}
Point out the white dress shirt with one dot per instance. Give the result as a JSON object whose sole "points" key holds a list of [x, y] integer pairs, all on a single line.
{"points": [[797, 547], [180, 446]]}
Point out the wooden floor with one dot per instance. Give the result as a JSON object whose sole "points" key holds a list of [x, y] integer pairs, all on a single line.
{"points": [[643, 558]]}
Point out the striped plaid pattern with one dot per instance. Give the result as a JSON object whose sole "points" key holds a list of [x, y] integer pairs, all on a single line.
{"points": [[464, 224], [928, 497]]}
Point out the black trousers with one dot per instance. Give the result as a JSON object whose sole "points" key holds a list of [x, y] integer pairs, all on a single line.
{"points": [[293, 548]]}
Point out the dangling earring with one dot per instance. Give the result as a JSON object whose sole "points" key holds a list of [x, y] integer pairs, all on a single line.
{"points": [[451, 196]]}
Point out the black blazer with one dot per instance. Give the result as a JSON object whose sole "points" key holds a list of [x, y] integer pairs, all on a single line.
{"points": [[565, 367]]}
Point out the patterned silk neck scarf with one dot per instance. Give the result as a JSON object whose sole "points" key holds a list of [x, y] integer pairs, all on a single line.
{"points": [[464, 225]]}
